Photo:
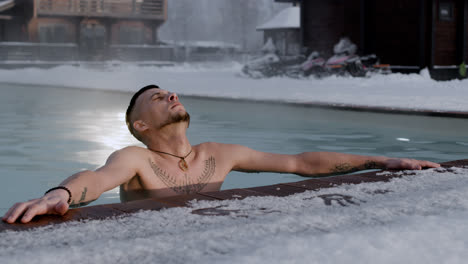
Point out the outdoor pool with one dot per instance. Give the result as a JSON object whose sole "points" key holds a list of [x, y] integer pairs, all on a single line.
{"points": [[49, 133]]}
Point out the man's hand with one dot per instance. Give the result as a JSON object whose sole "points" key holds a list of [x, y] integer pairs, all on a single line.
{"points": [[408, 164], [54, 202]]}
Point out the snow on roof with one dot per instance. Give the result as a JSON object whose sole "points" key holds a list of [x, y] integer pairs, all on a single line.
{"points": [[4, 5], [287, 18]]}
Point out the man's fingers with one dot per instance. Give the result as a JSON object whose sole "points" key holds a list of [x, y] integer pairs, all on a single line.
{"points": [[428, 164], [32, 211], [42, 207], [27, 210], [18, 210], [9, 212], [61, 208], [411, 164]]}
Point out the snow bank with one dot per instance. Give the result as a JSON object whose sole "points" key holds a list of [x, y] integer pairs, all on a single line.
{"points": [[413, 219], [412, 91]]}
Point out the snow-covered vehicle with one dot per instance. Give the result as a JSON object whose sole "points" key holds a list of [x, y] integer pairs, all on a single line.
{"points": [[343, 62]]}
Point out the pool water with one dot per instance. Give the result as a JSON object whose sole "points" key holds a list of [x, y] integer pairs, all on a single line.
{"points": [[49, 133]]}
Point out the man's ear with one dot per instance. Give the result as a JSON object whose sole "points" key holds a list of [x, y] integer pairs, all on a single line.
{"points": [[140, 126]]}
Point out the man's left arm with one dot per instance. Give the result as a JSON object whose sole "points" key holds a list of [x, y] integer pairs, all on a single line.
{"points": [[329, 163], [317, 163]]}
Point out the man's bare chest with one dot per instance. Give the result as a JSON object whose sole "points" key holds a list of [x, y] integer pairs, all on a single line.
{"points": [[167, 178]]}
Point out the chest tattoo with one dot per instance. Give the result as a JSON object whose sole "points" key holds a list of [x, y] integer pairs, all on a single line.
{"points": [[186, 185]]}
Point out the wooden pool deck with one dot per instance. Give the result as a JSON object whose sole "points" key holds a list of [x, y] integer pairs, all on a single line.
{"points": [[283, 189]]}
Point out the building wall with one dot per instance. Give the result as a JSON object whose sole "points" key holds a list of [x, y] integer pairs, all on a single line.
{"points": [[132, 32], [15, 28], [445, 34], [465, 30], [52, 30], [393, 31], [326, 21], [287, 41]]}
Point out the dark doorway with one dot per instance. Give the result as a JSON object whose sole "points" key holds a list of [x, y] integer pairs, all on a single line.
{"points": [[93, 41]]}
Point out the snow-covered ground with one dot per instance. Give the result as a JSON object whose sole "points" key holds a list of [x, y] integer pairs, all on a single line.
{"points": [[414, 91], [413, 219]]}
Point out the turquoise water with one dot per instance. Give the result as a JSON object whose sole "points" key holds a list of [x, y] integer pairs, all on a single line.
{"points": [[49, 133]]}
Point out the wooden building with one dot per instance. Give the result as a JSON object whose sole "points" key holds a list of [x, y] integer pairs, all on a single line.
{"points": [[98, 29], [407, 34], [284, 30]]}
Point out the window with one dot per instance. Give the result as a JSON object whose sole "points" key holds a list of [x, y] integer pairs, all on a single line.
{"points": [[131, 35], [446, 11], [53, 33]]}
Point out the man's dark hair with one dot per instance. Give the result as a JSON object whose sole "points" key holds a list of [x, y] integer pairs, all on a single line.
{"points": [[132, 105]]}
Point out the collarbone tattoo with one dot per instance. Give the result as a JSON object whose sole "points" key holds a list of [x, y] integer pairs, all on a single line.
{"points": [[185, 184]]}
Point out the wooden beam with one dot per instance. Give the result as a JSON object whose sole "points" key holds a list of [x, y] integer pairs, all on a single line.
{"points": [[422, 34], [433, 31], [465, 32], [461, 31], [363, 13]]}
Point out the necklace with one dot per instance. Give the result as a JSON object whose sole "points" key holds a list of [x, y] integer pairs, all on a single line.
{"points": [[182, 163]]}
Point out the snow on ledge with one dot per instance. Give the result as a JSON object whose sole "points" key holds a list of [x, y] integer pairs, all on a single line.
{"points": [[412, 219]]}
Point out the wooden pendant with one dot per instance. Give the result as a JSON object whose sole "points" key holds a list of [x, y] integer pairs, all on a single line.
{"points": [[183, 165]]}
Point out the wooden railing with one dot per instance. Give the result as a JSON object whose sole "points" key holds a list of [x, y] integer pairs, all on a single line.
{"points": [[27, 51], [146, 9]]}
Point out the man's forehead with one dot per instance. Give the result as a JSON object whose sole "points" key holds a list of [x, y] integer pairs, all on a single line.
{"points": [[150, 92]]}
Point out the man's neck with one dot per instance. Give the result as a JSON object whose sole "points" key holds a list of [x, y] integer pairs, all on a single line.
{"points": [[171, 139]]}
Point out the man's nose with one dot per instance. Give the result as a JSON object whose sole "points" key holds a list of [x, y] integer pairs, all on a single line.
{"points": [[173, 97]]}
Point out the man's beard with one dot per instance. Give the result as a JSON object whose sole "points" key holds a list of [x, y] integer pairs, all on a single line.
{"points": [[180, 117]]}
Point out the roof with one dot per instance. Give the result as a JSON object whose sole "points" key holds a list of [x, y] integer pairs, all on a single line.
{"points": [[287, 18], [6, 4]]}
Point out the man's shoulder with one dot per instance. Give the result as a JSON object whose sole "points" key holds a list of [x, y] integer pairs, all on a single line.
{"points": [[133, 149], [215, 146], [130, 152]]}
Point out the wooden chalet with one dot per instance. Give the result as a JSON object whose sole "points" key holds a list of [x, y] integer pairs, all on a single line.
{"points": [[284, 30], [87, 29], [409, 35]]}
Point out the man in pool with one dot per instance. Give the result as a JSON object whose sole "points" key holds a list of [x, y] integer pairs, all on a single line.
{"points": [[170, 165]]}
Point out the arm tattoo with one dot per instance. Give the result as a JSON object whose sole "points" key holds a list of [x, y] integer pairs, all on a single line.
{"points": [[185, 185], [369, 165], [81, 202], [346, 167], [343, 167], [83, 195]]}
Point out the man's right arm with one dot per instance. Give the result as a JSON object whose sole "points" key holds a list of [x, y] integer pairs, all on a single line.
{"points": [[85, 187]]}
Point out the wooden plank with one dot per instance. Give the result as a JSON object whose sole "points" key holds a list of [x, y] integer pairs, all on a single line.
{"points": [[233, 194], [278, 189]]}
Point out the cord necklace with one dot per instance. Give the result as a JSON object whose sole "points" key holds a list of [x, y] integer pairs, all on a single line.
{"points": [[182, 163]]}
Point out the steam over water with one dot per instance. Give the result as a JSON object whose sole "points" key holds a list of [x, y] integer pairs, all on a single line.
{"points": [[231, 21]]}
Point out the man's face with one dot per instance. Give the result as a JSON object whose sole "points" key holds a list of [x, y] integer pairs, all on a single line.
{"points": [[159, 108]]}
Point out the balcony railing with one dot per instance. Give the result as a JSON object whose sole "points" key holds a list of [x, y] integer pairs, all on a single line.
{"points": [[145, 9]]}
